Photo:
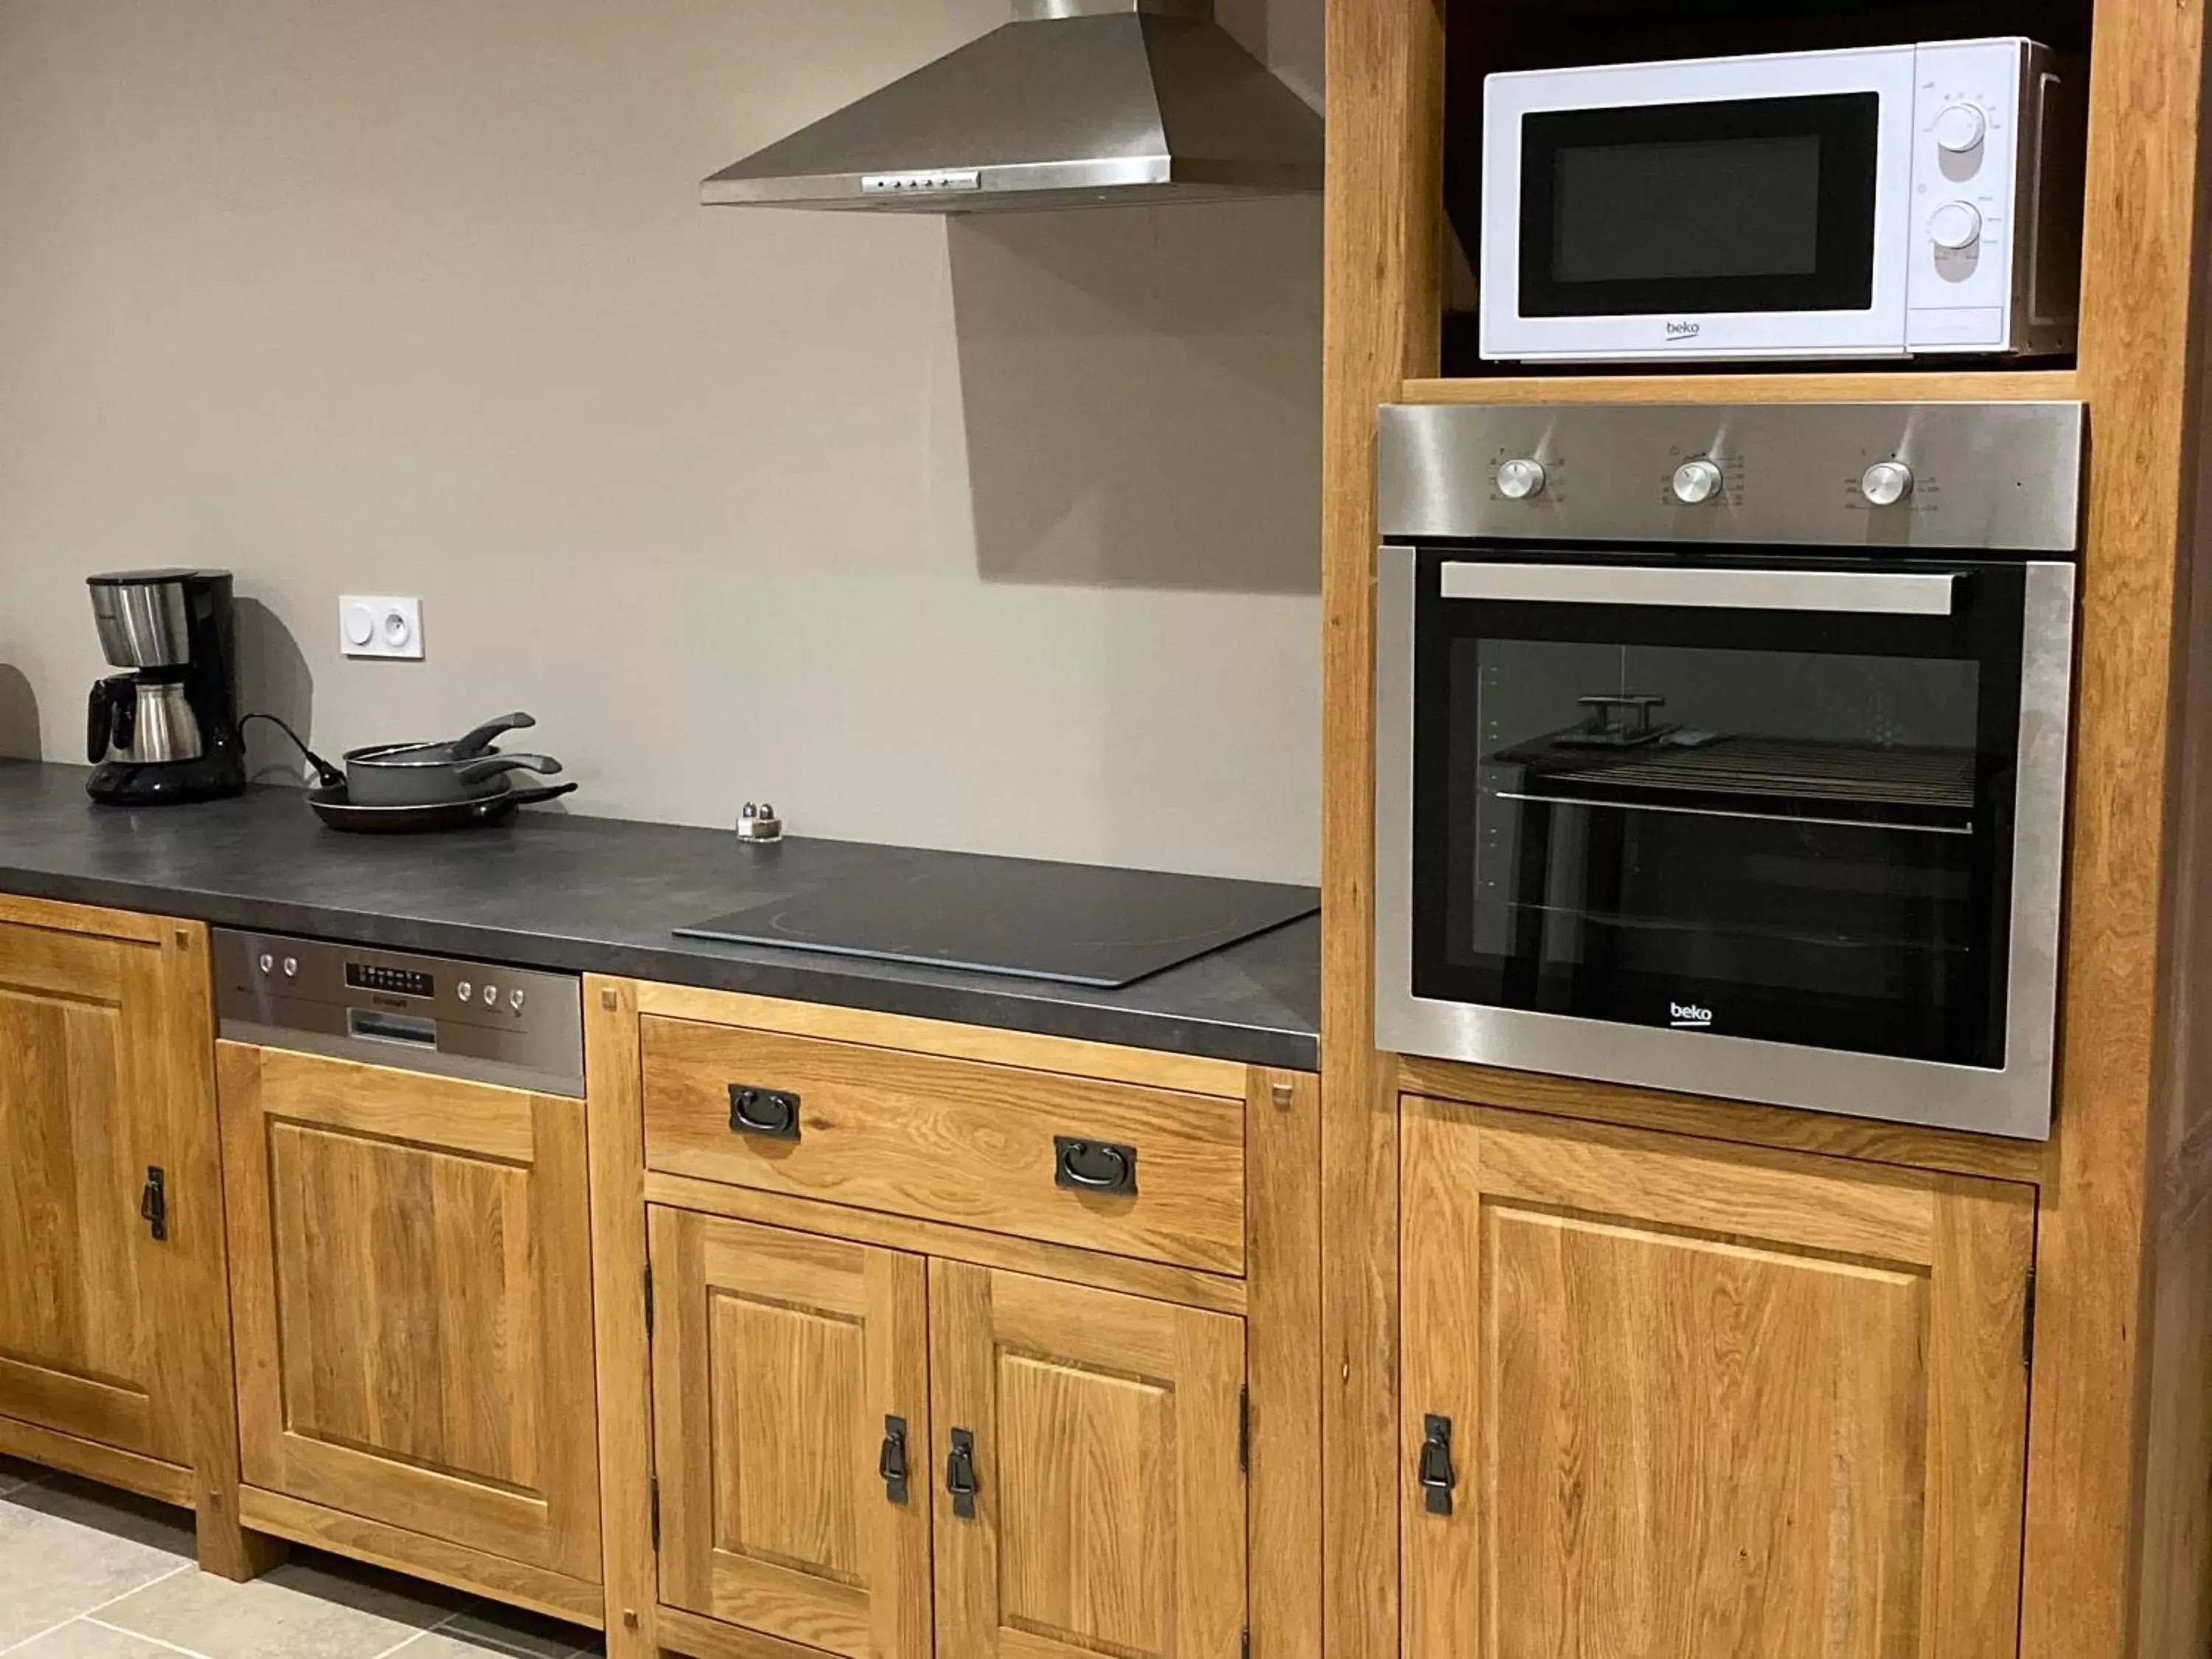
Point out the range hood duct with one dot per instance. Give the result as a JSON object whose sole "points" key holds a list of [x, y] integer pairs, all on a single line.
{"points": [[1077, 103]]}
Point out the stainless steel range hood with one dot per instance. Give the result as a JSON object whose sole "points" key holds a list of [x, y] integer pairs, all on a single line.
{"points": [[1077, 103]]}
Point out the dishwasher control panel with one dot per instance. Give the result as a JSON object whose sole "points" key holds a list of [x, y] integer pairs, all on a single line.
{"points": [[521, 1027]]}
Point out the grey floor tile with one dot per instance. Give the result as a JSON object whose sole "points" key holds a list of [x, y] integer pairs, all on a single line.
{"points": [[65, 1551], [13, 1474], [86, 1640], [313, 1608], [503, 1630]]}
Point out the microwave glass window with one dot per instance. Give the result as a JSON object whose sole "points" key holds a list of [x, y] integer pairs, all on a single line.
{"points": [[1788, 826], [1738, 205], [1622, 214]]}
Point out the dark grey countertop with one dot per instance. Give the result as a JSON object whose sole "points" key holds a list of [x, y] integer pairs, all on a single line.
{"points": [[588, 895]]}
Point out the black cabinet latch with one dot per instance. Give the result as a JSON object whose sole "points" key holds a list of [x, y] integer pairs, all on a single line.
{"points": [[960, 1474], [1093, 1166], [1437, 1475], [154, 1203], [772, 1114], [890, 1464]]}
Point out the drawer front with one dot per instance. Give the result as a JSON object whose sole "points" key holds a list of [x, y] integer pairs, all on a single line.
{"points": [[987, 1146]]}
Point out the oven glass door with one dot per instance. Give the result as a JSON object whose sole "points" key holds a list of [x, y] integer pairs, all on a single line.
{"points": [[1767, 800], [1739, 204]]}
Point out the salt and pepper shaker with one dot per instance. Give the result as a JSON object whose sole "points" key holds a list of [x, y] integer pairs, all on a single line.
{"points": [[759, 824]]}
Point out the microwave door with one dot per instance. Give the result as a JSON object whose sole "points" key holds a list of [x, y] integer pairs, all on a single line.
{"points": [[1719, 209]]}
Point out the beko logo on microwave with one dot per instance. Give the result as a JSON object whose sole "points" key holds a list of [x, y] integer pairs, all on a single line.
{"points": [[1688, 1017], [1683, 330]]}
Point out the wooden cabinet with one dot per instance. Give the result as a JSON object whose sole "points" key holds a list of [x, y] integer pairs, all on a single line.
{"points": [[1666, 1398], [791, 1406], [411, 1292], [1108, 1512], [1094, 1438], [95, 1100]]}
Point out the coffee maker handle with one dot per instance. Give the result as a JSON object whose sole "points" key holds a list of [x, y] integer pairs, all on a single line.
{"points": [[112, 719]]}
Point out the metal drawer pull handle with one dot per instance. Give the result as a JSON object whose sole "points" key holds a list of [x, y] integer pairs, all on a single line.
{"points": [[773, 1113], [960, 1474], [890, 1465], [1436, 1476], [1094, 1166], [154, 1203]]}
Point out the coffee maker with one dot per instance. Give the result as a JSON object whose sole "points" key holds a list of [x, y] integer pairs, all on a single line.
{"points": [[168, 731]]}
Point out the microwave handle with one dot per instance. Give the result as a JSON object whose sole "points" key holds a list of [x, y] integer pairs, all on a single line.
{"points": [[1882, 593]]}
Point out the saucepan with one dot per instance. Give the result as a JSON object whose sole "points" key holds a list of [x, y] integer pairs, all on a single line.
{"points": [[434, 774]]}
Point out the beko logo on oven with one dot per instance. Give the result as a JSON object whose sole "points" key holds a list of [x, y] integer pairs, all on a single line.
{"points": [[1684, 331], [1688, 1015]]}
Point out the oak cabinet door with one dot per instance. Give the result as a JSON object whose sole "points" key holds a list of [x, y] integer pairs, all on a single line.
{"points": [[1099, 1433], [87, 1095], [1675, 1399], [412, 1294], [790, 1406]]}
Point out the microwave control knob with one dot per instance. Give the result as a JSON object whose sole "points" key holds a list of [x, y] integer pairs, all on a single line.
{"points": [[1960, 129], [1519, 481], [1955, 226], [1885, 483], [1697, 482]]}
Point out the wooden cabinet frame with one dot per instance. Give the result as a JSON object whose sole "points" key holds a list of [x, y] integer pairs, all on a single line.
{"points": [[2119, 1506], [1278, 1296]]}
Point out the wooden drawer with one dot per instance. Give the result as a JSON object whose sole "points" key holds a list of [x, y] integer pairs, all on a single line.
{"points": [[952, 1140]]}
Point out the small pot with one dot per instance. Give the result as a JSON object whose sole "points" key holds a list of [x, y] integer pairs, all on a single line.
{"points": [[427, 775]]}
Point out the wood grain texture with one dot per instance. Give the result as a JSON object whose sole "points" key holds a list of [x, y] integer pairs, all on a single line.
{"points": [[414, 1315], [1783, 385], [615, 1134], [702, 1638], [1110, 1511], [438, 1559], [1282, 1261], [87, 920], [777, 1358], [1069, 1056], [1695, 1413], [1383, 320], [1155, 1280], [170, 1483], [950, 1139], [2095, 1481], [1860, 1138]]}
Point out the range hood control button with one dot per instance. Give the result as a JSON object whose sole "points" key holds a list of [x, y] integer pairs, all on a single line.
{"points": [[1887, 483], [1697, 482], [1520, 480]]}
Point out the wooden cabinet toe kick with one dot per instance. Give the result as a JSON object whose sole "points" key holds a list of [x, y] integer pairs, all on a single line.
{"points": [[554, 1594]]}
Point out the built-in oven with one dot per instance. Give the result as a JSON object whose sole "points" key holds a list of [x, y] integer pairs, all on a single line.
{"points": [[1723, 749]]}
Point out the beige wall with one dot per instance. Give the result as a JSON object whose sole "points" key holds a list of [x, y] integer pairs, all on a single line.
{"points": [[998, 533]]}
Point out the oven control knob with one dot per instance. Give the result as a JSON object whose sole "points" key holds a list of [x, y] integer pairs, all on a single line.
{"points": [[1960, 128], [1518, 481], [1697, 482], [1955, 226], [1885, 483]]}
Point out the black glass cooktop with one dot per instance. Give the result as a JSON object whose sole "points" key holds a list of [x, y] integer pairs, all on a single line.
{"points": [[1078, 924]]}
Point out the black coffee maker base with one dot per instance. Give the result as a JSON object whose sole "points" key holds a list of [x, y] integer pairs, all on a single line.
{"points": [[165, 783]]}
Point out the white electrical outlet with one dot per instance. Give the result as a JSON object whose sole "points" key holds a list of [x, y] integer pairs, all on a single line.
{"points": [[370, 626]]}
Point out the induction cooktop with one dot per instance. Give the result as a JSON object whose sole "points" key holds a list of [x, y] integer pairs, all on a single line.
{"points": [[1073, 923]]}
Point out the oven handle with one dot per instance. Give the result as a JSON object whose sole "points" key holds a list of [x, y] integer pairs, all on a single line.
{"points": [[1886, 592]]}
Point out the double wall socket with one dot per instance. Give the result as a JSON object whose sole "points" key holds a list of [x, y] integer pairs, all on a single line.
{"points": [[374, 627]]}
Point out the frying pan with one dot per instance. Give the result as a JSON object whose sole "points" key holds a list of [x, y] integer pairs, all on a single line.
{"points": [[333, 807]]}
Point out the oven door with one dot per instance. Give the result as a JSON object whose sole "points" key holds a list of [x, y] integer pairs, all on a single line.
{"points": [[1750, 207], [1784, 831]]}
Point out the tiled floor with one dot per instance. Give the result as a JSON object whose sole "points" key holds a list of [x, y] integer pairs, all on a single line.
{"points": [[87, 1572]]}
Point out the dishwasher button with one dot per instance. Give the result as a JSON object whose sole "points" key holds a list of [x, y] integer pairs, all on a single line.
{"points": [[291, 967], [491, 996], [268, 962], [515, 1000], [466, 989]]}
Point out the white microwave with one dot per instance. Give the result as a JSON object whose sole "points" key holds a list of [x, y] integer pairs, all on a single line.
{"points": [[1882, 202]]}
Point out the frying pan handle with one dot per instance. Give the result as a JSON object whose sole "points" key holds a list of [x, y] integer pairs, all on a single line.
{"points": [[490, 766], [492, 805], [475, 742]]}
